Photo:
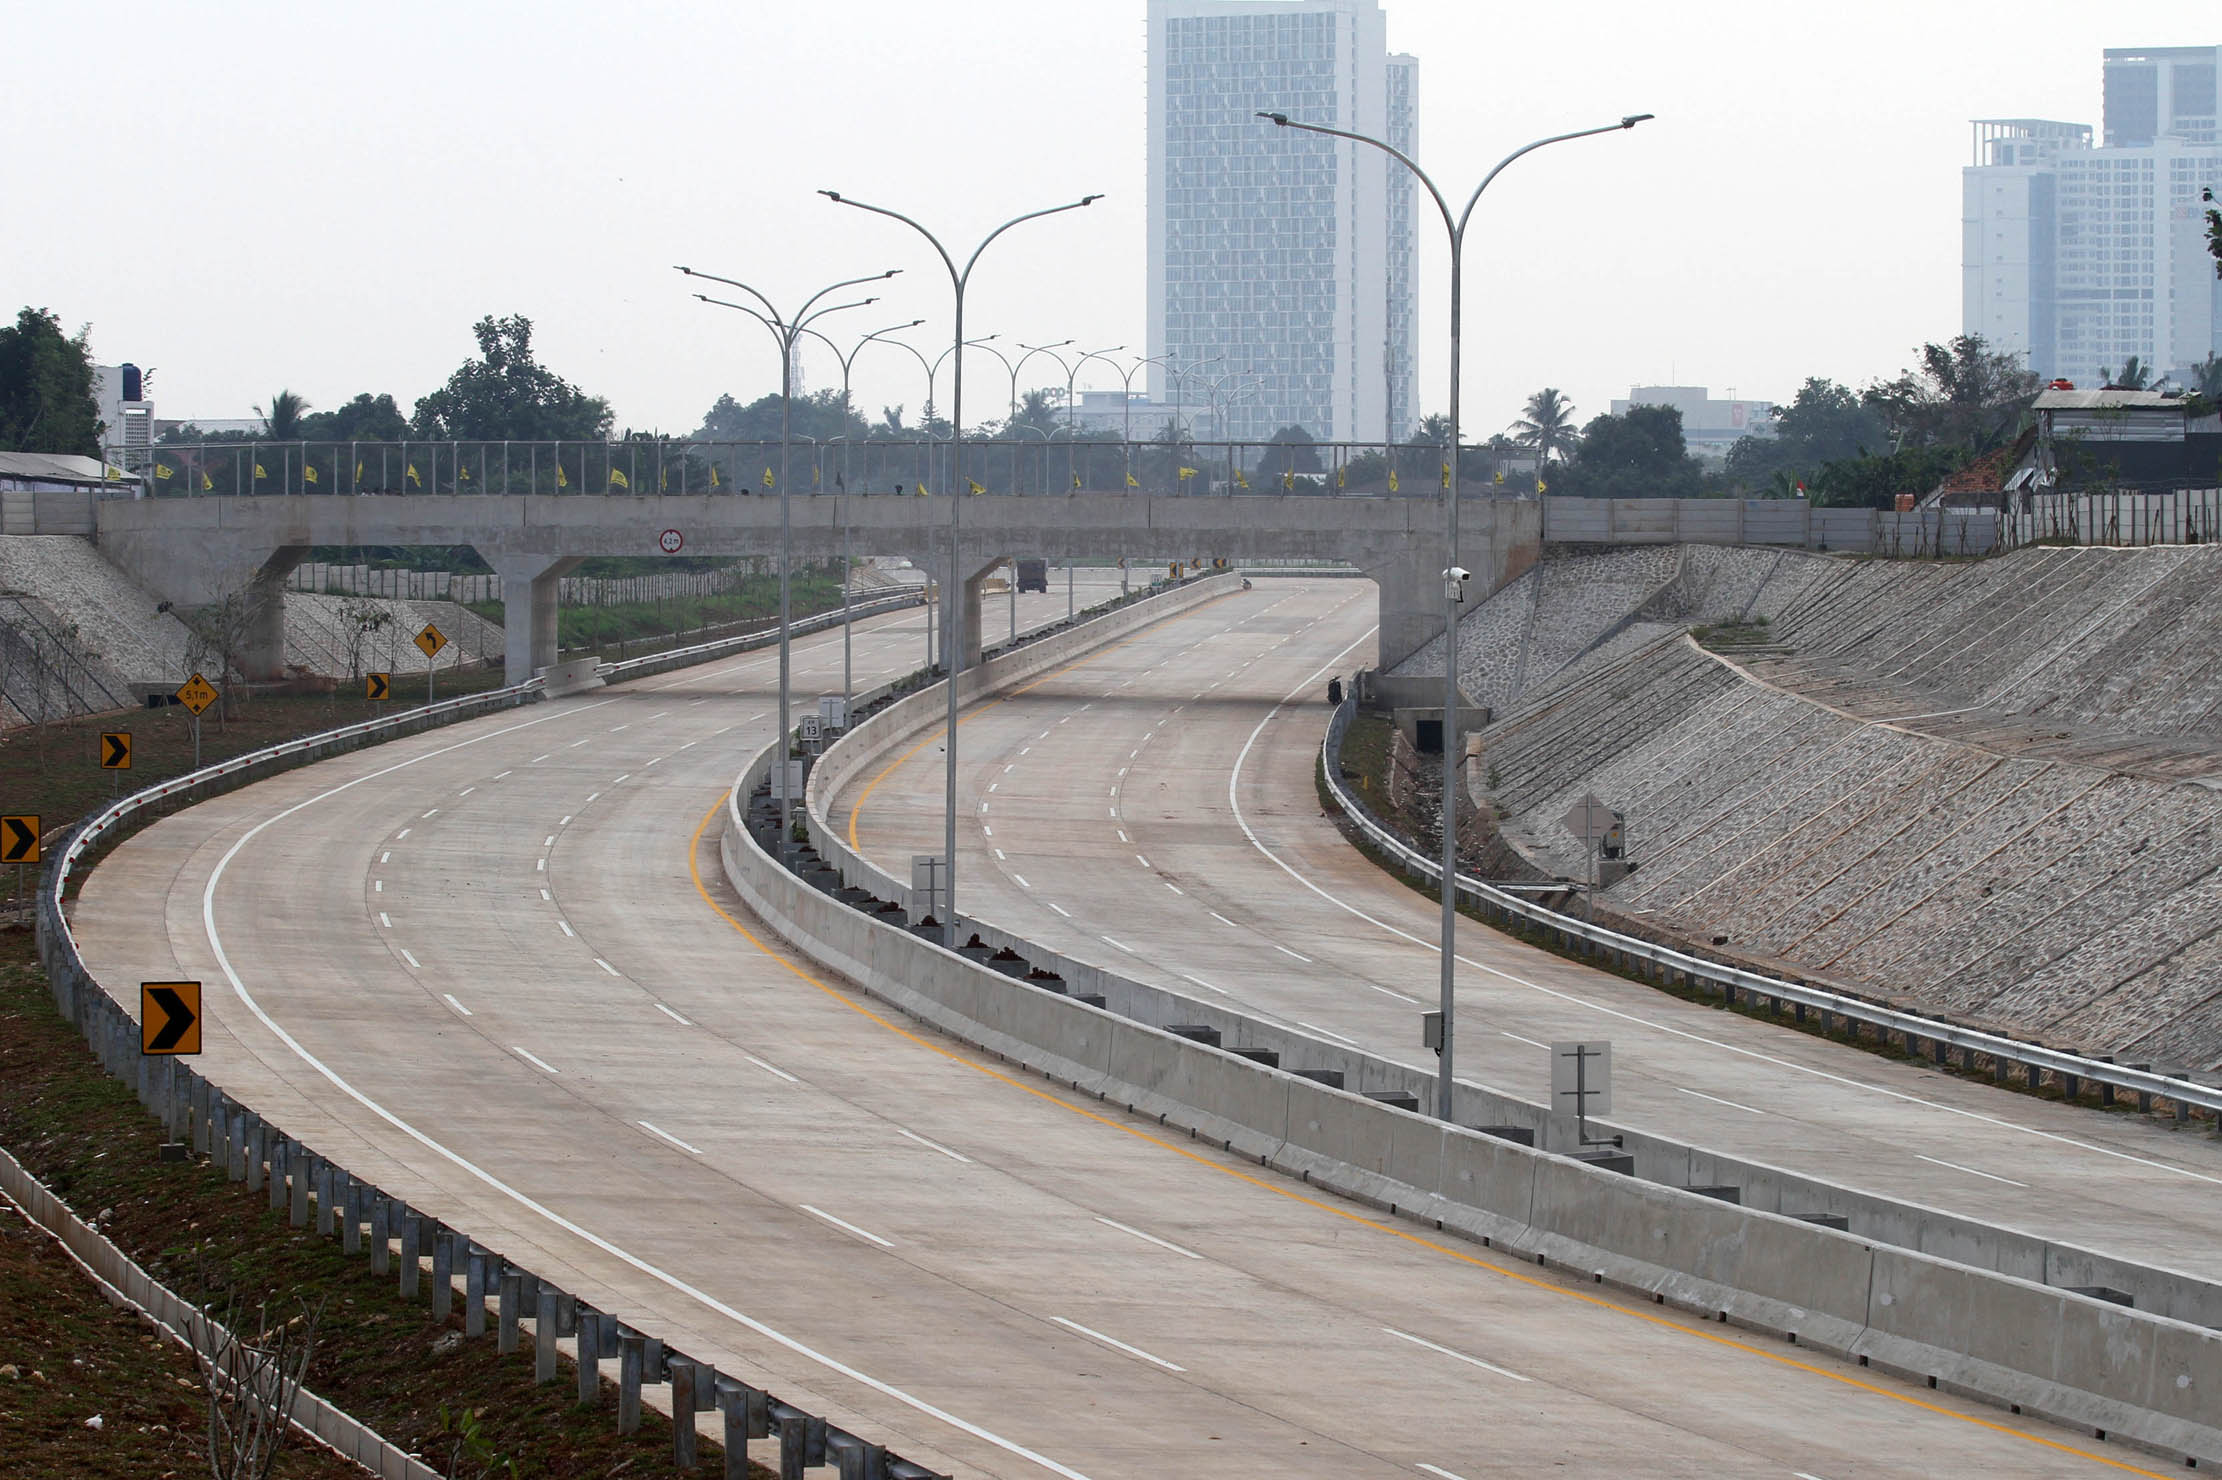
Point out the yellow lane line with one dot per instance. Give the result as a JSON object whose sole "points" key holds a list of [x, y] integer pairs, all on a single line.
{"points": [[848, 1000]]}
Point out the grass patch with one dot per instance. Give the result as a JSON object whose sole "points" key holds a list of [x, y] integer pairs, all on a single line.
{"points": [[636, 629], [379, 1357]]}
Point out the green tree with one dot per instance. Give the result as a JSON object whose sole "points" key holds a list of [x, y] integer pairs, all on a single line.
{"points": [[1547, 425], [1825, 422], [506, 394], [1640, 454], [282, 422], [2135, 375], [46, 388], [2214, 229], [1963, 394], [1875, 481], [818, 417], [367, 418], [2206, 377], [1301, 454]]}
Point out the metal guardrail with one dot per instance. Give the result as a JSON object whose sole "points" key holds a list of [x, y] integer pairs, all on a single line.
{"points": [[702, 652], [195, 1108], [1497, 904]]}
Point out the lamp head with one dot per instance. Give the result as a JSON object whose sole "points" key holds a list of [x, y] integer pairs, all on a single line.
{"points": [[1635, 118], [890, 272], [687, 270], [1089, 200], [1280, 120], [830, 194]]}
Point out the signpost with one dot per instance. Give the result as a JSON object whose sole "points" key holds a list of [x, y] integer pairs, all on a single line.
{"points": [[169, 1018], [196, 694], [377, 687], [928, 877], [19, 845], [1592, 821], [429, 642], [1581, 1082]]}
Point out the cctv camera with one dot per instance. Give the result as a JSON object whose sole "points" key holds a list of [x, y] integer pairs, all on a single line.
{"points": [[1460, 573]]}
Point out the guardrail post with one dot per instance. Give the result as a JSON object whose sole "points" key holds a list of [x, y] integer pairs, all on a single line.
{"points": [[631, 1357], [732, 1402], [443, 1274], [250, 1150], [412, 1234], [474, 1293], [327, 1178], [302, 1166], [201, 1139], [381, 1230], [512, 1291], [351, 1215], [682, 1415], [544, 1337], [589, 1359], [791, 1436]]}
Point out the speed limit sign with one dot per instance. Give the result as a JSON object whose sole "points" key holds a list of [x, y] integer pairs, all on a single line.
{"points": [[670, 541]]}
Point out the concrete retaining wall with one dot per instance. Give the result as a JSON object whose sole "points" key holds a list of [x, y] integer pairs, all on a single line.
{"points": [[2005, 1338]]}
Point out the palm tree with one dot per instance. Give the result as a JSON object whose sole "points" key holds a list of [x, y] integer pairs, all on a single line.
{"points": [[2133, 376], [1548, 425], [282, 422], [2206, 377]]}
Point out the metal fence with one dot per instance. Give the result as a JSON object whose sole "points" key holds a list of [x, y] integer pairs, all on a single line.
{"points": [[2069, 1071], [648, 467], [2170, 516]]}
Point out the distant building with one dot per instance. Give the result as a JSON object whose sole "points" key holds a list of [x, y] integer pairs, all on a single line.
{"points": [[1119, 413], [1709, 427], [126, 411], [2079, 255], [1274, 255]]}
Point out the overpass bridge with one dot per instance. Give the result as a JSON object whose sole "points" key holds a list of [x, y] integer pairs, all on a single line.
{"points": [[197, 550]]}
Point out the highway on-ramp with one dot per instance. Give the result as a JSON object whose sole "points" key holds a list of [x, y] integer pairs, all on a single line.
{"points": [[1153, 810], [493, 969]]}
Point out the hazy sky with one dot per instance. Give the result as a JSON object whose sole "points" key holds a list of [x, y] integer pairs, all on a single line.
{"points": [[324, 198]]}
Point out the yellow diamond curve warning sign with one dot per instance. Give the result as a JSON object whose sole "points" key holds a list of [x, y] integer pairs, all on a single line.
{"points": [[431, 640], [196, 694]]}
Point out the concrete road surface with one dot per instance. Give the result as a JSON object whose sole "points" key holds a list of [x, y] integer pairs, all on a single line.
{"points": [[494, 969], [1153, 809]]}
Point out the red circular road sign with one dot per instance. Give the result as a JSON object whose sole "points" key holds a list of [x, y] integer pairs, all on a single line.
{"points": [[670, 541]]}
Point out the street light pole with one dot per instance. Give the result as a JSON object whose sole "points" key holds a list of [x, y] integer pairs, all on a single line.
{"points": [[786, 331], [952, 624], [1453, 586]]}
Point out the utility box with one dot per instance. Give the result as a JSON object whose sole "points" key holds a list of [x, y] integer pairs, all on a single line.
{"points": [[1431, 1031], [833, 710]]}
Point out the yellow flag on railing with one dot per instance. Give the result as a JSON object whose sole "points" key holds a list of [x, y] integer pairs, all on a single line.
{"points": [[1341, 481], [1241, 479], [1076, 482], [163, 472], [1288, 481], [413, 478], [976, 485], [922, 491], [259, 473], [1446, 475], [1541, 486], [619, 480], [308, 473], [813, 475], [206, 482], [1392, 480], [561, 481], [1500, 475], [1132, 482], [462, 474], [768, 480], [1186, 474], [713, 475], [358, 470]]}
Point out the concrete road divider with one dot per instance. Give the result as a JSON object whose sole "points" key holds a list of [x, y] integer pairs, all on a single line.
{"points": [[2066, 1356]]}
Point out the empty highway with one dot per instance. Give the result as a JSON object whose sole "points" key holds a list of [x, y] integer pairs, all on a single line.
{"points": [[494, 969]]}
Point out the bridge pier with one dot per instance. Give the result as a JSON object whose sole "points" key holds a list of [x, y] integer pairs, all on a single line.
{"points": [[528, 598]]}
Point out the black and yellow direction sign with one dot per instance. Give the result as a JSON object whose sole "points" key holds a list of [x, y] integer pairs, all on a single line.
{"points": [[19, 839], [431, 640], [1173, 569], [196, 694], [115, 750], [169, 1017], [377, 685]]}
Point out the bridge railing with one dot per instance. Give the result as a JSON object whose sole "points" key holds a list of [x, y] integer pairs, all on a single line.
{"points": [[666, 466]]}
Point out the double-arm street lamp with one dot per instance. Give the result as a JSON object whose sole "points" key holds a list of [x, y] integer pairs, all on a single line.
{"points": [[787, 330], [953, 606], [1453, 584], [1071, 371]]}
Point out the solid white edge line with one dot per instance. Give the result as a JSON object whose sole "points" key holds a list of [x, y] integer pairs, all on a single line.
{"points": [[770, 1069], [668, 1136], [1461, 1356], [488, 1179], [667, 1012], [1112, 1341], [934, 1146], [1149, 1238], [845, 1226], [1325, 1032]]}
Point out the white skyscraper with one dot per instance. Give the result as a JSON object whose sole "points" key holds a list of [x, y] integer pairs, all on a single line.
{"points": [[1282, 265], [2080, 255]]}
